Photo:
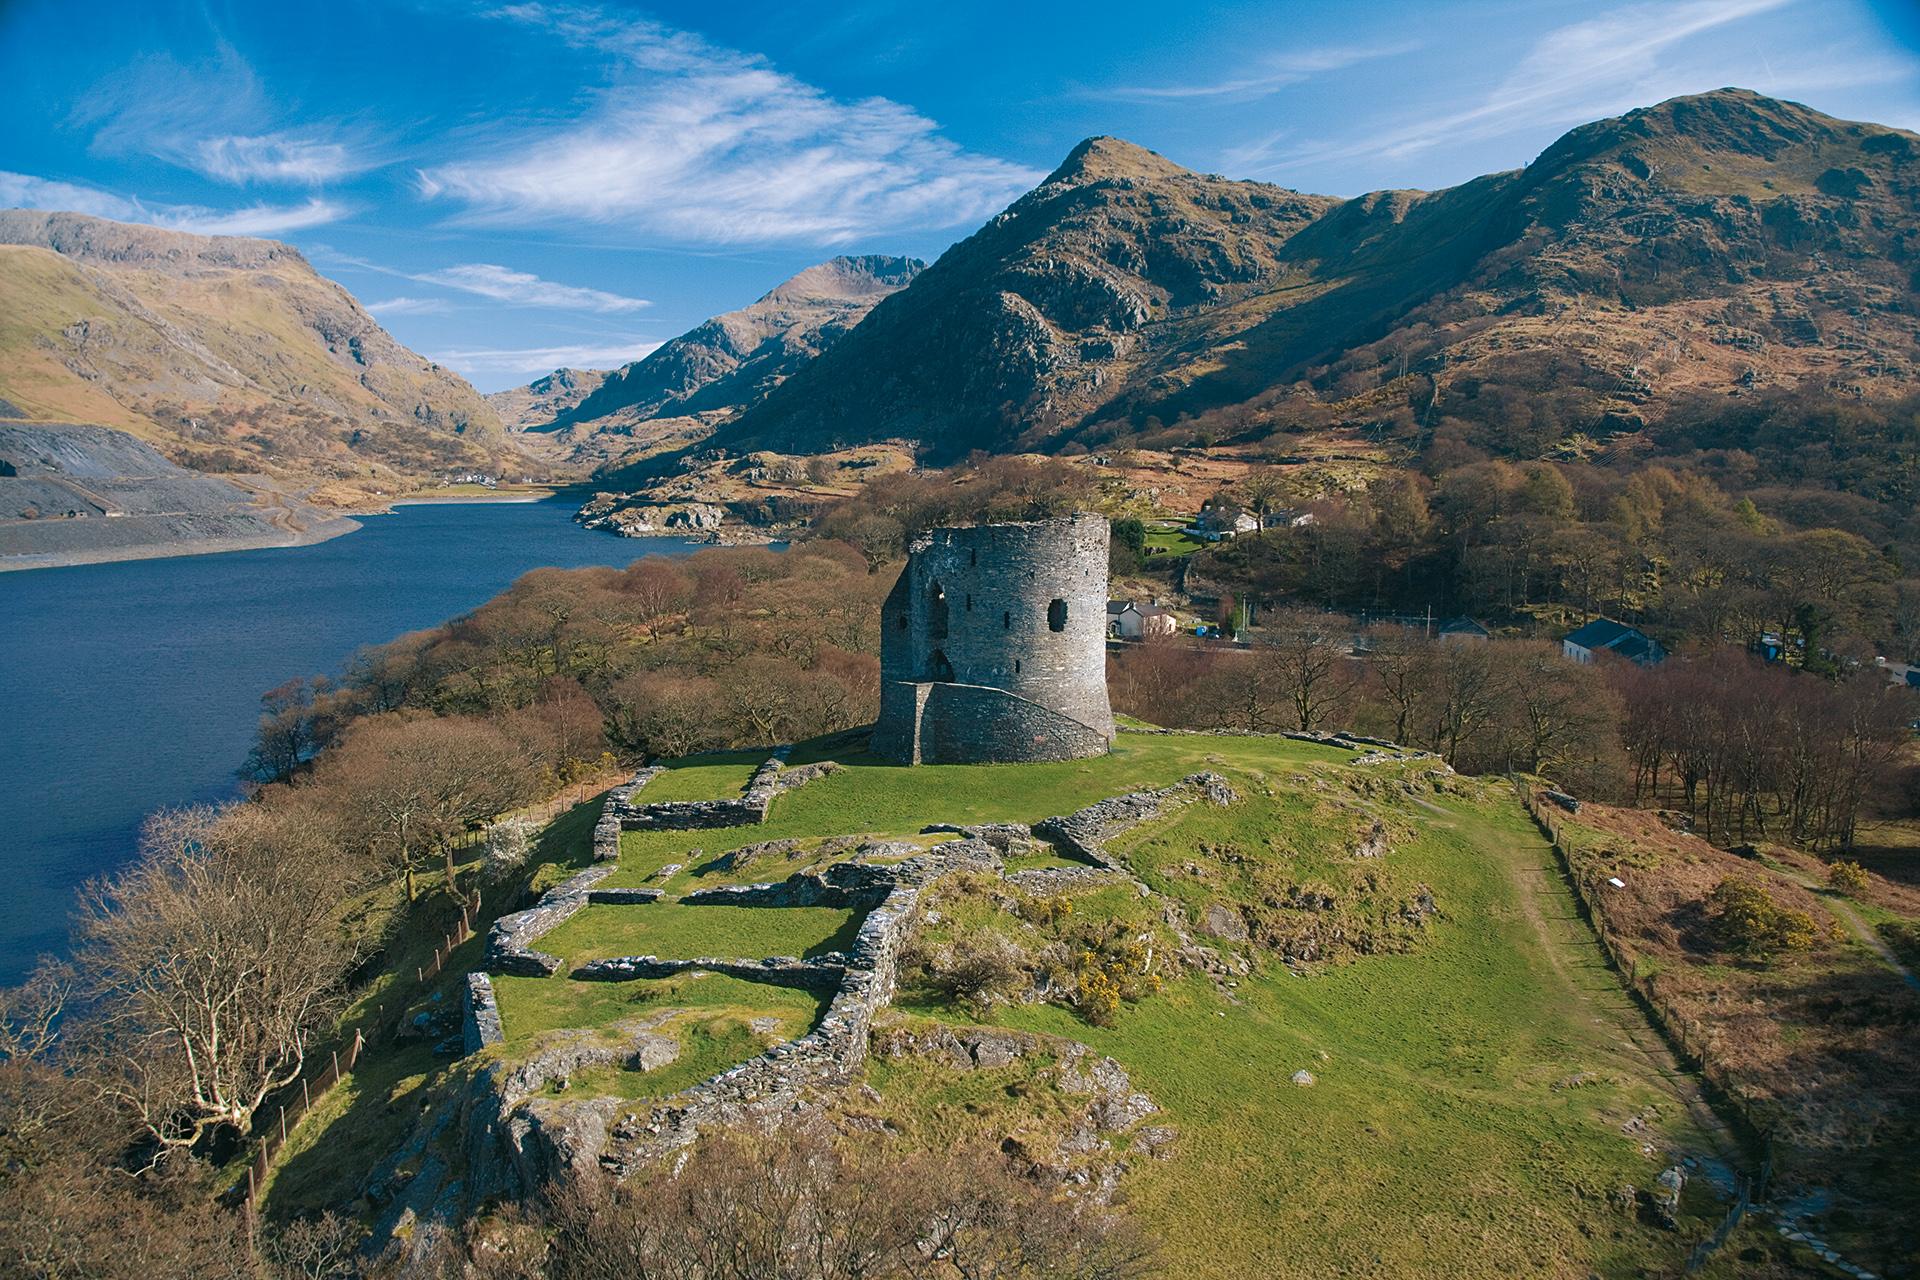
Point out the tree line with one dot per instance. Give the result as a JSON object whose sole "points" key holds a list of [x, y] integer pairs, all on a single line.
{"points": [[1535, 544], [1750, 750]]}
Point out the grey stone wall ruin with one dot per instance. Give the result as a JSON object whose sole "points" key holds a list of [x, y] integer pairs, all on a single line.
{"points": [[993, 646]]}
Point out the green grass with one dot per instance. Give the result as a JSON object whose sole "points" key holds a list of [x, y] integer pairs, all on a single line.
{"points": [[710, 1042], [531, 1006], [1172, 541], [676, 931], [1434, 1140], [718, 775], [874, 797]]}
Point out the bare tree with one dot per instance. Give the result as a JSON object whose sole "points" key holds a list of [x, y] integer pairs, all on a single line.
{"points": [[1307, 655], [209, 968], [410, 787]]}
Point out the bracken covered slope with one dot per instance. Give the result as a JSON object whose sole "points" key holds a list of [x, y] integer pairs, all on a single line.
{"points": [[1722, 243], [226, 353]]}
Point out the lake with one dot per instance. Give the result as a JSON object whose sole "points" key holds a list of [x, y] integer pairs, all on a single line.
{"points": [[127, 687]]}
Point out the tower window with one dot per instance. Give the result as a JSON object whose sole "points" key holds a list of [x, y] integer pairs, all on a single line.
{"points": [[1057, 616], [1006, 622], [937, 612], [969, 604], [1016, 666]]}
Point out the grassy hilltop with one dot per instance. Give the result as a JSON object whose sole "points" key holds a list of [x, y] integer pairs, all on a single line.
{"points": [[1480, 1087]]}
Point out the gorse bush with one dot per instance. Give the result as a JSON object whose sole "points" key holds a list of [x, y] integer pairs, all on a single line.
{"points": [[1749, 922], [1848, 877]]}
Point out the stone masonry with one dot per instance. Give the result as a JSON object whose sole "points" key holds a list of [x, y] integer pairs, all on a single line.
{"points": [[993, 646]]}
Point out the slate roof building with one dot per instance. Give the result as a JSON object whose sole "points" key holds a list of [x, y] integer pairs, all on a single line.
{"points": [[1604, 635]]}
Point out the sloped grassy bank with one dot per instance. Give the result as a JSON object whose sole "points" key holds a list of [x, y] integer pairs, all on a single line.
{"points": [[1465, 1100]]}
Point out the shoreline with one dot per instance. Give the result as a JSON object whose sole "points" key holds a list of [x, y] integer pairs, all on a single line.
{"points": [[324, 531]]}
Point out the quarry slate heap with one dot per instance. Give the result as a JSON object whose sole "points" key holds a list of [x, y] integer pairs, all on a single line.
{"points": [[993, 646]]}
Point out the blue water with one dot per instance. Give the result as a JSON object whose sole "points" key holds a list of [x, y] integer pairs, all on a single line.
{"points": [[127, 687]]}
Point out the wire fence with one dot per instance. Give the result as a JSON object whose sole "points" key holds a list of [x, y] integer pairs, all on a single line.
{"points": [[1687, 1036], [342, 1060]]}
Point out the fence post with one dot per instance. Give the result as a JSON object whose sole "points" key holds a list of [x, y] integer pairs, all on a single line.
{"points": [[283, 1126], [306, 1097]]}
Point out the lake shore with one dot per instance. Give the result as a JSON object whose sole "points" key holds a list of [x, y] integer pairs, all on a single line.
{"points": [[297, 525]]}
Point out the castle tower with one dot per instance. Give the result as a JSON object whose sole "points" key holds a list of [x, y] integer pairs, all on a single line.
{"points": [[993, 646]]}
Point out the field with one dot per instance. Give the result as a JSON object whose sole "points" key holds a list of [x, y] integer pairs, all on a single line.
{"points": [[1481, 1087]]}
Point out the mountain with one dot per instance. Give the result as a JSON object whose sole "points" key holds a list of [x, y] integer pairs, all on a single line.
{"points": [[681, 390], [536, 405], [226, 354], [1716, 244]]}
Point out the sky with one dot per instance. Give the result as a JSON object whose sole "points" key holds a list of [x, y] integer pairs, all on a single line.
{"points": [[512, 187]]}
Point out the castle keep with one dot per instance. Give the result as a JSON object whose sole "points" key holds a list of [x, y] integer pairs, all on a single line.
{"points": [[993, 646]]}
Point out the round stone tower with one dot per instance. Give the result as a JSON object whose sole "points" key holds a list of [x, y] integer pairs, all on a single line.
{"points": [[994, 646]]}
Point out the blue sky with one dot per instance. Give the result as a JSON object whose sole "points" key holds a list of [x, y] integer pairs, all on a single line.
{"points": [[511, 187]]}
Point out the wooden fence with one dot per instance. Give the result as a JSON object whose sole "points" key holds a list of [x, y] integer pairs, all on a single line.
{"points": [[341, 1061], [338, 1064]]}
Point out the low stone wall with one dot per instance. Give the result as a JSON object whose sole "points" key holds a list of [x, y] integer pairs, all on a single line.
{"points": [[543, 1137], [1084, 834], [771, 780], [480, 1021], [510, 940], [820, 974], [1383, 751], [606, 832], [623, 897]]}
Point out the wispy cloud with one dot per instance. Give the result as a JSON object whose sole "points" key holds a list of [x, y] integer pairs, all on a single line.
{"points": [[206, 116], [273, 157], [501, 284], [523, 289], [255, 219], [709, 145], [404, 306], [24, 191], [1573, 73], [1266, 75], [475, 362]]}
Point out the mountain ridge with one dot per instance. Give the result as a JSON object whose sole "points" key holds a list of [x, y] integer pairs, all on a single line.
{"points": [[1115, 298], [229, 354]]}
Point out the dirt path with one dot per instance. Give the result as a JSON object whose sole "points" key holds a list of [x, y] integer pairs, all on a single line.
{"points": [[1861, 930], [1577, 960]]}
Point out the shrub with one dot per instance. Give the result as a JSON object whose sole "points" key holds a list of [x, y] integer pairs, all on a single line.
{"points": [[1848, 877], [982, 968], [1748, 921]]}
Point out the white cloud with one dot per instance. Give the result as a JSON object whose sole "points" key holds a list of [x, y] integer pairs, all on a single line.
{"points": [[531, 361], [24, 191], [1265, 76], [1574, 73], [524, 289], [710, 145], [254, 220], [274, 157], [404, 306]]}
